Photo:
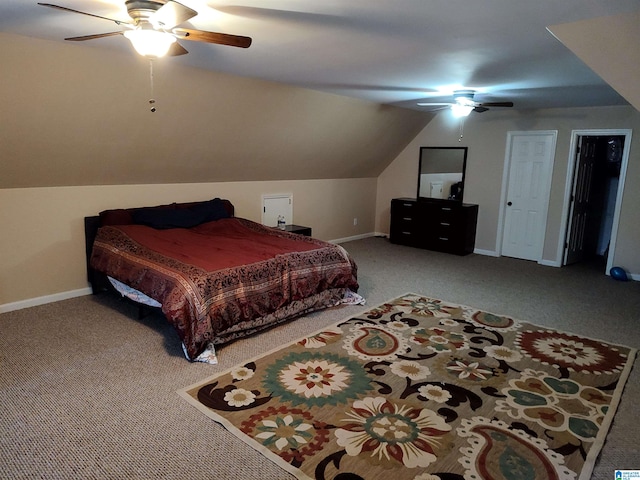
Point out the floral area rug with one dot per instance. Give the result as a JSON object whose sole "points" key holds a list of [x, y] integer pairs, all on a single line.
{"points": [[422, 389]]}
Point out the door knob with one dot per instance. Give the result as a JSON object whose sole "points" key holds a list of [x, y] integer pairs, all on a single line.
{"points": [[509, 204]]}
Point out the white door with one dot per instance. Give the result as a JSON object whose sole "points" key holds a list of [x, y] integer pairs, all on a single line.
{"points": [[274, 206], [530, 158]]}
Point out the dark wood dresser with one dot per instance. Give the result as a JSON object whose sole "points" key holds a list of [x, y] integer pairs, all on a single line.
{"points": [[439, 225]]}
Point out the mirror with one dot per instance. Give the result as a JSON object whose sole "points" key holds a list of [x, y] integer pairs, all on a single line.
{"points": [[441, 173]]}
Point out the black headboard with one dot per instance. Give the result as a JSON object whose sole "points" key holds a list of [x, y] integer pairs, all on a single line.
{"points": [[99, 281]]}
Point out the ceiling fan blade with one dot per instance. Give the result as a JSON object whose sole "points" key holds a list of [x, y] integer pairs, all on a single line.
{"points": [[496, 104], [50, 5], [212, 37], [480, 109], [176, 49], [171, 14], [435, 107], [92, 37]]}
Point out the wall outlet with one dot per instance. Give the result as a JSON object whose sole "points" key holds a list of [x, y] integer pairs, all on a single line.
{"points": [[355, 222]]}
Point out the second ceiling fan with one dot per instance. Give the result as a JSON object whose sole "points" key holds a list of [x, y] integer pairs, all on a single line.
{"points": [[463, 103]]}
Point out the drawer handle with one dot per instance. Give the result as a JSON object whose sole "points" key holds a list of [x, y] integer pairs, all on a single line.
{"points": [[446, 209], [445, 224], [443, 238], [406, 233], [407, 204], [408, 218]]}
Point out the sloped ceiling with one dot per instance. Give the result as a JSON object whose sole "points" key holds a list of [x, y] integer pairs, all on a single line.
{"points": [[71, 117], [77, 114], [609, 46], [387, 52]]}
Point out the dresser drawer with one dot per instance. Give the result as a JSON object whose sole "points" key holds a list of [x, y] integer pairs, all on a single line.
{"points": [[445, 242], [446, 216], [404, 207], [405, 222], [406, 219]]}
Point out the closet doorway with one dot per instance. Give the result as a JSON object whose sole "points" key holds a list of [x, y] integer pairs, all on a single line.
{"points": [[595, 179]]}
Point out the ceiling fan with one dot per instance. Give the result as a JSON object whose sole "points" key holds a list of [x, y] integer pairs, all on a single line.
{"points": [[154, 29], [463, 104]]}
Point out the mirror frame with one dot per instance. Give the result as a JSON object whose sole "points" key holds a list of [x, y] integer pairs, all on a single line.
{"points": [[423, 159]]}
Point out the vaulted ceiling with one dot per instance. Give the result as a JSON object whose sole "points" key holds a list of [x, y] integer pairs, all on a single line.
{"points": [[397, 53]]}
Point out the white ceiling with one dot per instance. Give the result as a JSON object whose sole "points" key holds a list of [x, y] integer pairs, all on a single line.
{"points": [[392, 52]]}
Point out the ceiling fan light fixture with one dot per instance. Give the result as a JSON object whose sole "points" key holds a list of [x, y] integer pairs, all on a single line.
{"points": [[463, 103], [150, 43], [460, 110]]}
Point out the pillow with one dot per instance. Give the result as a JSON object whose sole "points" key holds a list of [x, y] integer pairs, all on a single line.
{"points": [[210, 211], [118, 216], [175, 215], [124, 216], [164, 218]]}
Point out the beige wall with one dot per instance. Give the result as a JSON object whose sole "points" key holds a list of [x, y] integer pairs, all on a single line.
{"points": [[43, 233], [486, 135], [72, 114]]}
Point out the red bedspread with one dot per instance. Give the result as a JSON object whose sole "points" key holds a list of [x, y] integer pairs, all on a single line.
{"points": [[225, 279]]}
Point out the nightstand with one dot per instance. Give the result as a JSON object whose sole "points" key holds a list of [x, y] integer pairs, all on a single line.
{"points": [[300, 230]]}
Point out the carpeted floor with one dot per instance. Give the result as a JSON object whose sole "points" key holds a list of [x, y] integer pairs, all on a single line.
{"points": [[89, 391]]}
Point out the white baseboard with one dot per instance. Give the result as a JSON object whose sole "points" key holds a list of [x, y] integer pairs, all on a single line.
{"points": [[34, 302], [492, 253], [355, 237], [488, 253], [550, 263]]}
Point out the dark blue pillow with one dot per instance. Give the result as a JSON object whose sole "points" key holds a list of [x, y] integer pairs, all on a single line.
{"points": [[210, 210], [164, 218]]}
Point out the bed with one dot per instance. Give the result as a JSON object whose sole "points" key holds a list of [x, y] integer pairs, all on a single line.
{"points": [[216, 277]]}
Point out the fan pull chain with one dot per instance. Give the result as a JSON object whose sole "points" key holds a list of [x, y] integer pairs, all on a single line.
{"points": [[152, 101], [461, 128]]}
